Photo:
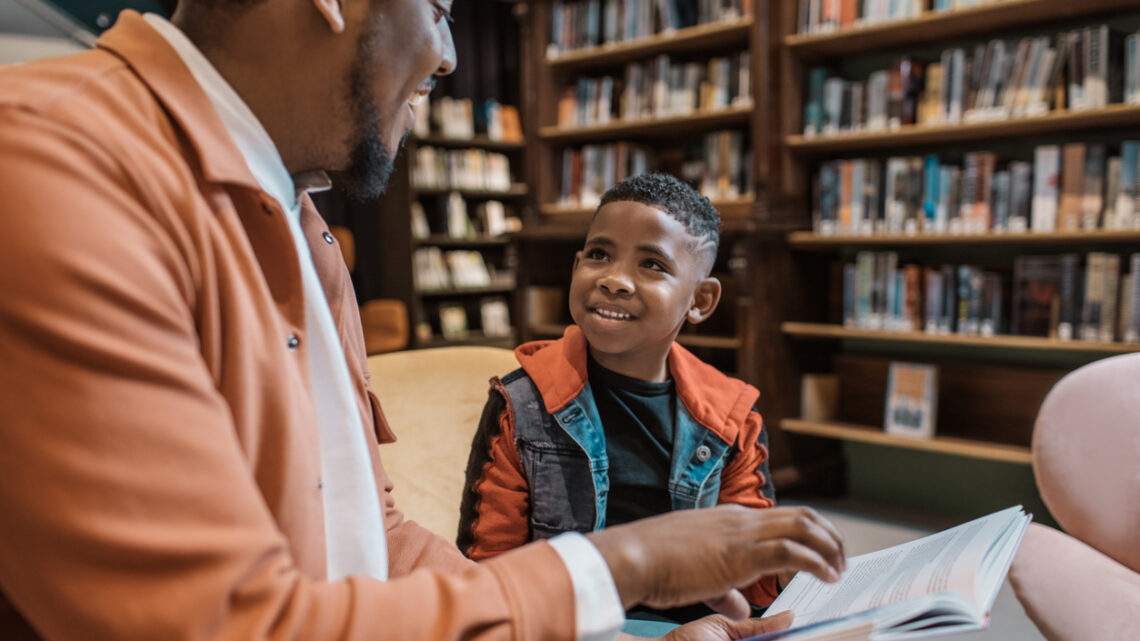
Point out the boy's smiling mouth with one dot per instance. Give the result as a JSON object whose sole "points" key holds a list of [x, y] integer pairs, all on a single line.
{"points": [[611, 312]]}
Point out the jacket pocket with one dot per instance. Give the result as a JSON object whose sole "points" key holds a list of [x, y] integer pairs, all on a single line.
{"points": [[561, 488]]}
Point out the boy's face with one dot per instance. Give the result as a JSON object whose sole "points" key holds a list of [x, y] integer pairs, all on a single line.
{"points": [[640, 276]]}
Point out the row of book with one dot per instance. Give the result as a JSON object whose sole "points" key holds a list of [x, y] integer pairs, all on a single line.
{"points": [[720, 166], [1075, 187], [475, 169], [576, 24], [493, 313], [825, 16], [1052, 296], [437, 270], [658, 88], [463, 119], [449, 216], [1078, 69]]}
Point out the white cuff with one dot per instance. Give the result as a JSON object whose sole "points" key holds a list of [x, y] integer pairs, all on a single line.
{"points": [[598, 614]]}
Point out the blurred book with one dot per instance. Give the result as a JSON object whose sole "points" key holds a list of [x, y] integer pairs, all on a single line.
{"points": [[912, 400]]}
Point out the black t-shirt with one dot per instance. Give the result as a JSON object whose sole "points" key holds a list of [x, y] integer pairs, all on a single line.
{"points": [[639, 419]]}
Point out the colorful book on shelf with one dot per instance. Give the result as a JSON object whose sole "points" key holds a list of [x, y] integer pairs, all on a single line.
{"points": [[944, 583], [912, 399]]}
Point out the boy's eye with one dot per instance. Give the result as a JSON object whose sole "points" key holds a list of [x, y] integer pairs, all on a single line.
{"points": [[655, 265], [597, 254], [442, 13]]}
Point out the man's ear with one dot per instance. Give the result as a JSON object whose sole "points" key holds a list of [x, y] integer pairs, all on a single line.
{"points": [[333, 13], [705, 299]]}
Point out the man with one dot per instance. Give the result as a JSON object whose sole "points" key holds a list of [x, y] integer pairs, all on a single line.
{"points": [[186, 422]]}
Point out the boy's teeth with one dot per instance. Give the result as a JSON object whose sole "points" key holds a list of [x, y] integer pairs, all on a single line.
{"points": [[416, 98], [612, 314]]}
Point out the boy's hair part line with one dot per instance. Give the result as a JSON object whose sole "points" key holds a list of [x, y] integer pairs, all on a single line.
{"points": [[677, 199]]}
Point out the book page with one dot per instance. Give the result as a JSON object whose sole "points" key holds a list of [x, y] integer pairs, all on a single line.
{"points": [[945, 561]]}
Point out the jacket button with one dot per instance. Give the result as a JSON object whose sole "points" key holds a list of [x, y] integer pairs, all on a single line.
{"points": [[292, 342], [703, 453], [328, 237]]}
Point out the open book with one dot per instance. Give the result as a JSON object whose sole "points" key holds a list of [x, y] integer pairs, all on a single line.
{"points": [[940, 584]]}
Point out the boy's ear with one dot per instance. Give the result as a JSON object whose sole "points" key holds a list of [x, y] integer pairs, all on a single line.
{"points": [[577, 257], [333, 13], [705, 299]]}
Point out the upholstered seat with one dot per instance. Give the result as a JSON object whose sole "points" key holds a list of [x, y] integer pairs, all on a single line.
{"points": [[1084, 583], [433, 399]]}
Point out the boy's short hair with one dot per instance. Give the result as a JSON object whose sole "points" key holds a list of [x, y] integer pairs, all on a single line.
{"points": [[677, 199]]}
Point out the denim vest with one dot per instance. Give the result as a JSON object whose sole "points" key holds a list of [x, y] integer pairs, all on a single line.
{"points": [[563, 456]]}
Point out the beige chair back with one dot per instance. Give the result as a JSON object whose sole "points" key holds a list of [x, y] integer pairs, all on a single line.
{"points": [[433, 399]]}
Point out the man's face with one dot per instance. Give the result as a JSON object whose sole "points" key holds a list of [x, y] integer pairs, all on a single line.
{"points": [[634, 282], [401, 46]]}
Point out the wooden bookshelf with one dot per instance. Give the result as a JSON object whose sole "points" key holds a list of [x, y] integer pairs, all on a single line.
{"points": [[549, 330], [807, 240], [838, 332], [649, 127], [517, 190], [939, 444], [726, 34], [1055, 122], [478, 142], [938, 26]]}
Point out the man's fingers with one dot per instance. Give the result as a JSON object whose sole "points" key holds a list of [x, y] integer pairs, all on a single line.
{"points": [[732, 605], [805, 527], [792, 555]]}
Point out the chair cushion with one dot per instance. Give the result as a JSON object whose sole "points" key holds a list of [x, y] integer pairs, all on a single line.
{"points": [[432, 399], [1073, 592], [1086, 456]]}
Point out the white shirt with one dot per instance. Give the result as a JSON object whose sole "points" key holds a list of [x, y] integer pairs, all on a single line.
{"points": [[354, 527]]}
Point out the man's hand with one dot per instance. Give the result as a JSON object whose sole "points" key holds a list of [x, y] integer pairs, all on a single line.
{"points": [[688, 556], [720, 628]]}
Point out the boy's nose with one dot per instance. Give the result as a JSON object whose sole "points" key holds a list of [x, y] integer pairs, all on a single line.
{"points": [[615, 282]]}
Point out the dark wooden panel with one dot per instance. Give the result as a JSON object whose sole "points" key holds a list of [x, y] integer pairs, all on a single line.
{"points": [[975, 400]]}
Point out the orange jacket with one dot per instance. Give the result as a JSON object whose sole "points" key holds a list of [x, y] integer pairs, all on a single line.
{"points": [[499, 503], [161, 475]]}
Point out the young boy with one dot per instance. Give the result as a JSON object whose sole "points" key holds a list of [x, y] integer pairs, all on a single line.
{"points": [[615, 421]]}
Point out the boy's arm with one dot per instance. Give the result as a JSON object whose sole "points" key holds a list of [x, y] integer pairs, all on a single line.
{"points": [[745, 481], [496, 496]]}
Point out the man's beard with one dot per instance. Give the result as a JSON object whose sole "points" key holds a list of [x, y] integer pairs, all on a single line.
{"points": [[370, 162]]}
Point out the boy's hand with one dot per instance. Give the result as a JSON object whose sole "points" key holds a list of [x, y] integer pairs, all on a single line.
{"points": [[696, 555], [719, 628]]}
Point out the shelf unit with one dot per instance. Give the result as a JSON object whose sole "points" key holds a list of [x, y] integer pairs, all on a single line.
{"points": [[938, 444], [1001, 341], [549, 240], [990, 387]]}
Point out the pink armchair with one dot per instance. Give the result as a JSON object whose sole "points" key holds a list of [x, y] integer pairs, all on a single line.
{"points": [[1084, 583]]}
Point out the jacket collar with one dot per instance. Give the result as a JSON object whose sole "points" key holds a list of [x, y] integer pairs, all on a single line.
{"points": [[157, 64], [719, 403]]}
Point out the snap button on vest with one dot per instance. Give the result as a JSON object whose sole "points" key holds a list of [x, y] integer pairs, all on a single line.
{"points": [[703, 453]]}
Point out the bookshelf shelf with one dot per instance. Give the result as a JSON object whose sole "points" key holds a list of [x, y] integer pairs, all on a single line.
{"points": [[473, 338], [478, 142], [474, 291], [938, 444], [735, 208], [649, 127], [825, 331], [807, 240], [725, 34], [518, 190], [442, 240], [931, 26], [1057, 122], [688, 340]]}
